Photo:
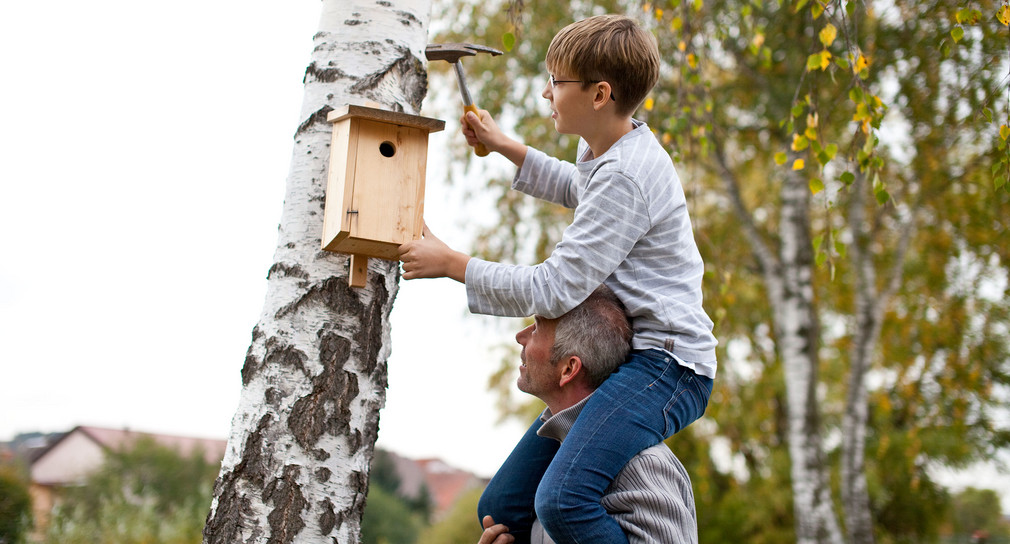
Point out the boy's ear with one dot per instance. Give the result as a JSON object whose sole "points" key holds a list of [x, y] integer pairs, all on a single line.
{"points": [[603, 93]]}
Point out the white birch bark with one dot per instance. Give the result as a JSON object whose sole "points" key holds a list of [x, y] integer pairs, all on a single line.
{"points": [[797, 333], [788, 279], [871, 302], [314, 379]]}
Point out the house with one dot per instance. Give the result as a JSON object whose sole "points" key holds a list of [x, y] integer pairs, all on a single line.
{"points": [[71, 457]]}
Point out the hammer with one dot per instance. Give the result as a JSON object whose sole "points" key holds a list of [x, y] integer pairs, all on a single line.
{"points": [[451, 53]]}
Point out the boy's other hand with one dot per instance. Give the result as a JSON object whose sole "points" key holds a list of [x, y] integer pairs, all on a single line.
{"points": [[494, 533], [429, 257], [480, 129]]}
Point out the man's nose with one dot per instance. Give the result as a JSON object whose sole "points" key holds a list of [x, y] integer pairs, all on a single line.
{"points": [[523, 335]]}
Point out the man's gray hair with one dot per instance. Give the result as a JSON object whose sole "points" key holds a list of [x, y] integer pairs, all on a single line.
{"points": [[597, 331]]}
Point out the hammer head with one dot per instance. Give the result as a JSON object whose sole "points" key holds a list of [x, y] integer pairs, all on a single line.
{"points": [[452, 52]]}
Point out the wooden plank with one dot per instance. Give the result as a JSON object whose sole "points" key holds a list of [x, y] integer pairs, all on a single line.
{"points": [[358, 274]]}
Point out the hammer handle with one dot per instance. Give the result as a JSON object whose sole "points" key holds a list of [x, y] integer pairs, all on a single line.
{"points": [[480, 149]]}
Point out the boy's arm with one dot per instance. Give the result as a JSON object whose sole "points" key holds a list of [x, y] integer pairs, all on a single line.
{"points": [[484, 130]]}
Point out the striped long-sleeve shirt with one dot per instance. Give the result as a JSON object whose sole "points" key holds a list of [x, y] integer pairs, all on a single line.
{"points": [[651, 498], [631, 230]]}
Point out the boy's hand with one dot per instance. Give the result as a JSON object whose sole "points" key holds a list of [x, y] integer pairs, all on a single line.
{"points": [[483, 129], [494, 533], [429, 257]]}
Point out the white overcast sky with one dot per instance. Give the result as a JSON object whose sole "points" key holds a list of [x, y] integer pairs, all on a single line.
{"points": [[144, 148]]}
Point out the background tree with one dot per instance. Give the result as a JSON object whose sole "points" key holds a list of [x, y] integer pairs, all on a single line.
{"points": [[839, 165], [146, 493], [15, 506], [296, 468]]}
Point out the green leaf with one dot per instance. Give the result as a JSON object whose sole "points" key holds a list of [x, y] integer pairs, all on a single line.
{"points": [[816, 185], [882, 197], [816, 10], [847, 178], [797, 110], [831, 150], [814, 62], [508, 41], [957, 34], [818, 240], [781, 158]]}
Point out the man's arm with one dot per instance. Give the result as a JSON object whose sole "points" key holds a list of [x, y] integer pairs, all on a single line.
{"points": [[652, 500]]}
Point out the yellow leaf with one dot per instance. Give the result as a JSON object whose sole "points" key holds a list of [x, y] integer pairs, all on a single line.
{"points": [[812, 120], [828, 34], [861, 64], [682, 45], [1004, 132], [799, 143], [649, 103], [798, 164], [811, 133], [647, 7], [667, 138], [659, 13], [1003, 14], [758, 41], [676, 24], [692, 60], [825, 59]]}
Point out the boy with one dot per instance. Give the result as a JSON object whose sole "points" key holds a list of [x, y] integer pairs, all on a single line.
{"points": [[631, 231]]}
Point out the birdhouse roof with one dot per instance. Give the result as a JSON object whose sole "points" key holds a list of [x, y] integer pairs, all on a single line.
{"points": [[385, 116]]}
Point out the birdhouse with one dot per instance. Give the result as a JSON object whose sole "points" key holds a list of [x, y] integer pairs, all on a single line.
{"points": [[375, 188]]}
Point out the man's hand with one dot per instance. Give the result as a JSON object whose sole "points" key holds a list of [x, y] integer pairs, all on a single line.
{"points": [[429, 257], [483, 129], [495, 533]]}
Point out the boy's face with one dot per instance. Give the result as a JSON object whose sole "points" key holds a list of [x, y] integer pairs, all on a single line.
{"points": [[571, 105]]}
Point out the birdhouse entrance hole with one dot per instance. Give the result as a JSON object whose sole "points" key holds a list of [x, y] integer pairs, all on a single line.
{"points": [[387, 149]]}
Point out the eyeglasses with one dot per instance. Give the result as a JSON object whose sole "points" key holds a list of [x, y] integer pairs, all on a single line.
{"points": [[554, 83]]}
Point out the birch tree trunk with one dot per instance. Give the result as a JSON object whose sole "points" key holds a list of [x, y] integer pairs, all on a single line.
{"points": [[788, 278], [797, 334], [314, 378]]}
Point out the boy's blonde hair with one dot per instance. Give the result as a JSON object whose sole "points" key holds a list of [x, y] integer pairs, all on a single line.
{"points": [[610, 48]]}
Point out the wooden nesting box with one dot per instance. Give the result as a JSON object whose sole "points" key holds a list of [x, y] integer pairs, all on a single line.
{"points": [[375, 188]]}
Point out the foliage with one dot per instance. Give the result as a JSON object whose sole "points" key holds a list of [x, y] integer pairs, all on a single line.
{"points": [[888, 118], [388, 519], [390, 516], [147, 493], [978, 510], [15, 507], [459, 526]]}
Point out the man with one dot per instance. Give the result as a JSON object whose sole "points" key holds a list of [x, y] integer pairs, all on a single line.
{"points": [[564, 360]]}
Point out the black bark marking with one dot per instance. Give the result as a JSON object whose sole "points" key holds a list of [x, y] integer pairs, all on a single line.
{"points": [[407, 18], [327, 517], [252, 364], [323, 75], [325, 410], [357, 481], [234, 510], [332, 292], [411, 72], [323, 475], [285, 356], [318, 117], [286, 270], [286, 496]]}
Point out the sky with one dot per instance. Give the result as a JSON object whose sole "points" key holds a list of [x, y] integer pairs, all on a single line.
{"points": [[144, 152]]}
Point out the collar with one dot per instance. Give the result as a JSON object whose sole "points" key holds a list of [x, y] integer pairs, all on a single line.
{"points": [[557, 425]]}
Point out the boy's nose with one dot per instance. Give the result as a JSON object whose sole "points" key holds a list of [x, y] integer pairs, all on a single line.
{"points": [[547, 91]]}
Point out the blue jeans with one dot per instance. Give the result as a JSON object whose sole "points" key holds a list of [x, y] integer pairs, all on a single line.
{"points": [[648, 399]]}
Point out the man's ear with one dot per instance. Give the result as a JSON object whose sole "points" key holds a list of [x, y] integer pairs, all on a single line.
{"points": [[603, 93], [571, 368]]}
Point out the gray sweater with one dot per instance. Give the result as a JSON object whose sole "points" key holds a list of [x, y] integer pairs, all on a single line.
{"points": [[651, 498], [631, 230]]}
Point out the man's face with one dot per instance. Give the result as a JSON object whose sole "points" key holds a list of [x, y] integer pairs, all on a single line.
{"points": [[536, 374]]}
